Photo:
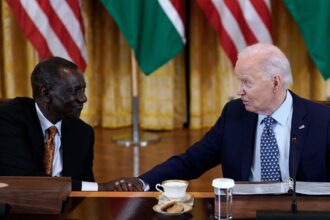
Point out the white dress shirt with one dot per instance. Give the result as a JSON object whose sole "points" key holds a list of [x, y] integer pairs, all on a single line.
{"points": [[58, 153], [282, 130]]}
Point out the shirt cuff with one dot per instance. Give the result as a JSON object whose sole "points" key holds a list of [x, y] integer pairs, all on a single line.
{"points": [[89, 186], [146, 186]]}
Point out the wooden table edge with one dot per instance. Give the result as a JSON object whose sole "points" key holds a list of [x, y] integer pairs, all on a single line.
{"points": [[133, 194]]}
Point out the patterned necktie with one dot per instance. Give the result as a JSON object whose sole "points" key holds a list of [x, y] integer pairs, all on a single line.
{"points": [[269, 153], [49, 150]]}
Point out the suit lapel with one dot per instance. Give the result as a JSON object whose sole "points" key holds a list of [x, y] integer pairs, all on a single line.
{"points": [[247, 144], [35, 132], [63, 142], [299, 128], [67, 151]]}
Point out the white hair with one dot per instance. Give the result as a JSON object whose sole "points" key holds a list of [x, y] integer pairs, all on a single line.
{"points": [[272, 60]]}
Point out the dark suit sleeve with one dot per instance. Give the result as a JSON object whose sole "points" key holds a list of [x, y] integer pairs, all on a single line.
{"points": [[199, 158], [88, 174], [78, 152], [313, 140], [328, 154], [17, 158]]}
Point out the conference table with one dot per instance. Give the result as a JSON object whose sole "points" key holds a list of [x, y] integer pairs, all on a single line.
{"points": [[139, 205]]}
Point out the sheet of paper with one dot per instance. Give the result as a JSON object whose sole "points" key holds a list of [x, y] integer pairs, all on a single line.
{"points": [[306, 188], [313, 188], [261, 188]]}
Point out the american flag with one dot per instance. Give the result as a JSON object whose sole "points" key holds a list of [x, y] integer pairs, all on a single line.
{"points": [[54, 27], [239, 23]]}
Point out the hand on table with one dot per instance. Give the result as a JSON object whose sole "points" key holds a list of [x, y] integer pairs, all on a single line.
{"points": [[122, 184]]}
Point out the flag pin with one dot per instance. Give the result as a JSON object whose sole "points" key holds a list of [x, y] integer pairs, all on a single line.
{"points": [[301, 127]]}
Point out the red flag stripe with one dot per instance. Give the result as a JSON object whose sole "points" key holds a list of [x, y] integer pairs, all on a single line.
{"points": [[238, 23], [75, 7], [264, 13], [29, 28], [237, 13], [62, 33], [213, 16], [52, 30], [179, 6]]}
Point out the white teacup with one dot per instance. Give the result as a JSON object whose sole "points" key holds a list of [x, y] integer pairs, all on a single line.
{"points": [[173, 189]]}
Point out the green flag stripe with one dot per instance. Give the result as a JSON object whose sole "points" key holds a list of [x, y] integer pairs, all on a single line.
{"points": [[313, 18], [148, 30]]}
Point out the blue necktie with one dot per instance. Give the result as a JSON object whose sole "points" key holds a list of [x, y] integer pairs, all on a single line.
{"points": [[269, 153]]}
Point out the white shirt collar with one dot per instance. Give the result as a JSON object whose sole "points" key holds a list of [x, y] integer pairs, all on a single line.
{"points": [[45, 123], [282, 113]]}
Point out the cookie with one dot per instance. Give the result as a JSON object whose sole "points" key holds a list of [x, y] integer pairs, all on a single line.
{"points": [[176, 208], [172, 207], [164, 207]]}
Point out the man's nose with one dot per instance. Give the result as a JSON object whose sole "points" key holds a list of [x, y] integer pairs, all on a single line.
{"points": [[82, 97], [240, 90]]}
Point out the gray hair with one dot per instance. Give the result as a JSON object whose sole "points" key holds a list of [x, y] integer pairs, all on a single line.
{"points": [[273, 61]]}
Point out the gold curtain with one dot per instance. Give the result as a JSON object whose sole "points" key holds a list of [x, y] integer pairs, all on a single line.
{"points": [[162, 101]]}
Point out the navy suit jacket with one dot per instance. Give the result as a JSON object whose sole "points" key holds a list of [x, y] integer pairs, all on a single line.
{"points": [[22, 144], [231, 141]]}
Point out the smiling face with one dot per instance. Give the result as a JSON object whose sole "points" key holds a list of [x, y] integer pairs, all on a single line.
{"points": [[58, 88], [67, 96], [258, 91]]}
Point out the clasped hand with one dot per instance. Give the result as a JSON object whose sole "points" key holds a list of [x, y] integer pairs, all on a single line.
{"points": [[122, 184]]}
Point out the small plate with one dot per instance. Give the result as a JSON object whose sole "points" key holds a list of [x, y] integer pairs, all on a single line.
{"points": [[2, 185], [186, 208], [186, 198]]}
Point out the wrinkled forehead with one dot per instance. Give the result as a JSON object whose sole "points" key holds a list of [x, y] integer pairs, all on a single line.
{"points": [[249, 62]]}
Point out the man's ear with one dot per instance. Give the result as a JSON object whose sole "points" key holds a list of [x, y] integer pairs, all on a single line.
{"points": [[44, 93], [276, 82]]}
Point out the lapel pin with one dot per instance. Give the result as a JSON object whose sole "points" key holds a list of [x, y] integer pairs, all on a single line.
{"points": [[301, 127]]}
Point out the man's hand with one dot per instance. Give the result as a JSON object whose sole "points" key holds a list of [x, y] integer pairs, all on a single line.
{"points": [[122, 184]]}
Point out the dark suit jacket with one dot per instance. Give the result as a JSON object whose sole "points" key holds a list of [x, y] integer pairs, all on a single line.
{"points": [[22, 144], [231, 140]]}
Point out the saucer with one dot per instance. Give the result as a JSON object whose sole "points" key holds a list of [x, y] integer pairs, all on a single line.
{"points": [[186, 208], [185, 198], [2, 185]]}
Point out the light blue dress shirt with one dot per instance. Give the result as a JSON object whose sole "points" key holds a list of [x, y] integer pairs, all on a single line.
{"points": [[282, 130]]}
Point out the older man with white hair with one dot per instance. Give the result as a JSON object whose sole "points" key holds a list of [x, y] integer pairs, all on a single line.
{"points": [[252, 138]]}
